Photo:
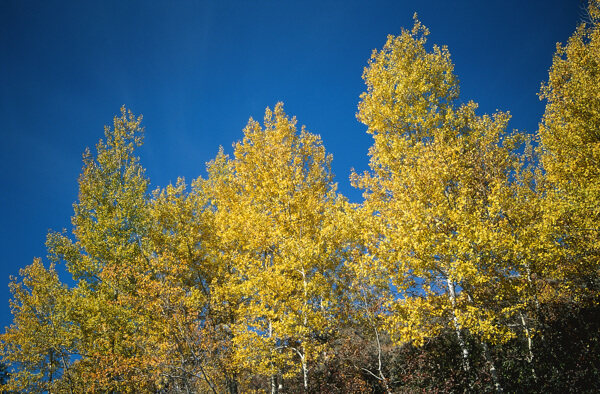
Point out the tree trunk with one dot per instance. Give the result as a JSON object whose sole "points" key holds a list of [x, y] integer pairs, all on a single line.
{"points": [[305, 373], [379, 363], [529, 346], [459, 336], [493, 371], [274, 386], [305, 318], [273, 378]]}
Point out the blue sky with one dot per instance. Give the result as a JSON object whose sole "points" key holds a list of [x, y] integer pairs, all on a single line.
{"points": [[197, 70]]}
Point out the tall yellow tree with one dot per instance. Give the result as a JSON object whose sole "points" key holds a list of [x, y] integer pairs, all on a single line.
{"points": [[106, 258], [186, 337], [138, 316], [570, 151], [439, 189], [276, 210]]}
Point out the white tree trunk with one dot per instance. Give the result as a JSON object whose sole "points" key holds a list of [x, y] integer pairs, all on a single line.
{"points": [[459, 336], [529, 345], [304, 312], [273, 376], [493, 371]]}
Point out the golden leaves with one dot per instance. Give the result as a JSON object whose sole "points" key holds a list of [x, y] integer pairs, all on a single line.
{"points": [[439, 183], [274, 214], [259, 267]]}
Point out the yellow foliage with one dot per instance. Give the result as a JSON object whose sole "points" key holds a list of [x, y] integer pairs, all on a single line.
{"points": [[439, 187], [276, 209]]}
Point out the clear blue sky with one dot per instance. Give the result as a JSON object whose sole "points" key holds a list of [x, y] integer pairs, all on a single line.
{"points": [[198, 70]]}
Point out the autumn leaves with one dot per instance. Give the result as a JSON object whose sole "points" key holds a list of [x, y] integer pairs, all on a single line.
{"points": [[253, 277]]}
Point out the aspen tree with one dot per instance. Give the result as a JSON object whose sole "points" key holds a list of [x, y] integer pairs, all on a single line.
{"points": [[276, 211], [570, 153], [107, 257], [177, 289], [42, 342], [438, 187]]}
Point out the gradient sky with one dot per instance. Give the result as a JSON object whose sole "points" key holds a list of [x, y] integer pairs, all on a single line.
{"points": [[197, 70]]}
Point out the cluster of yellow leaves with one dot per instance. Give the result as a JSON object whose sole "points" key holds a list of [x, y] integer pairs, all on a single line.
{"points": [[41, 337]]}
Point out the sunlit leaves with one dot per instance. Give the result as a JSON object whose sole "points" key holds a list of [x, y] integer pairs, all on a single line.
{"points": [[439, 187], [43, 339], [570, 153], [263, 274], [276, 210]]}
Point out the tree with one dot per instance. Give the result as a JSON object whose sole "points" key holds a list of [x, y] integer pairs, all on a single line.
{"points": [[439, 186], [41, 344], [186, 335], [276, 211], [570, 152], [107, 258]]}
